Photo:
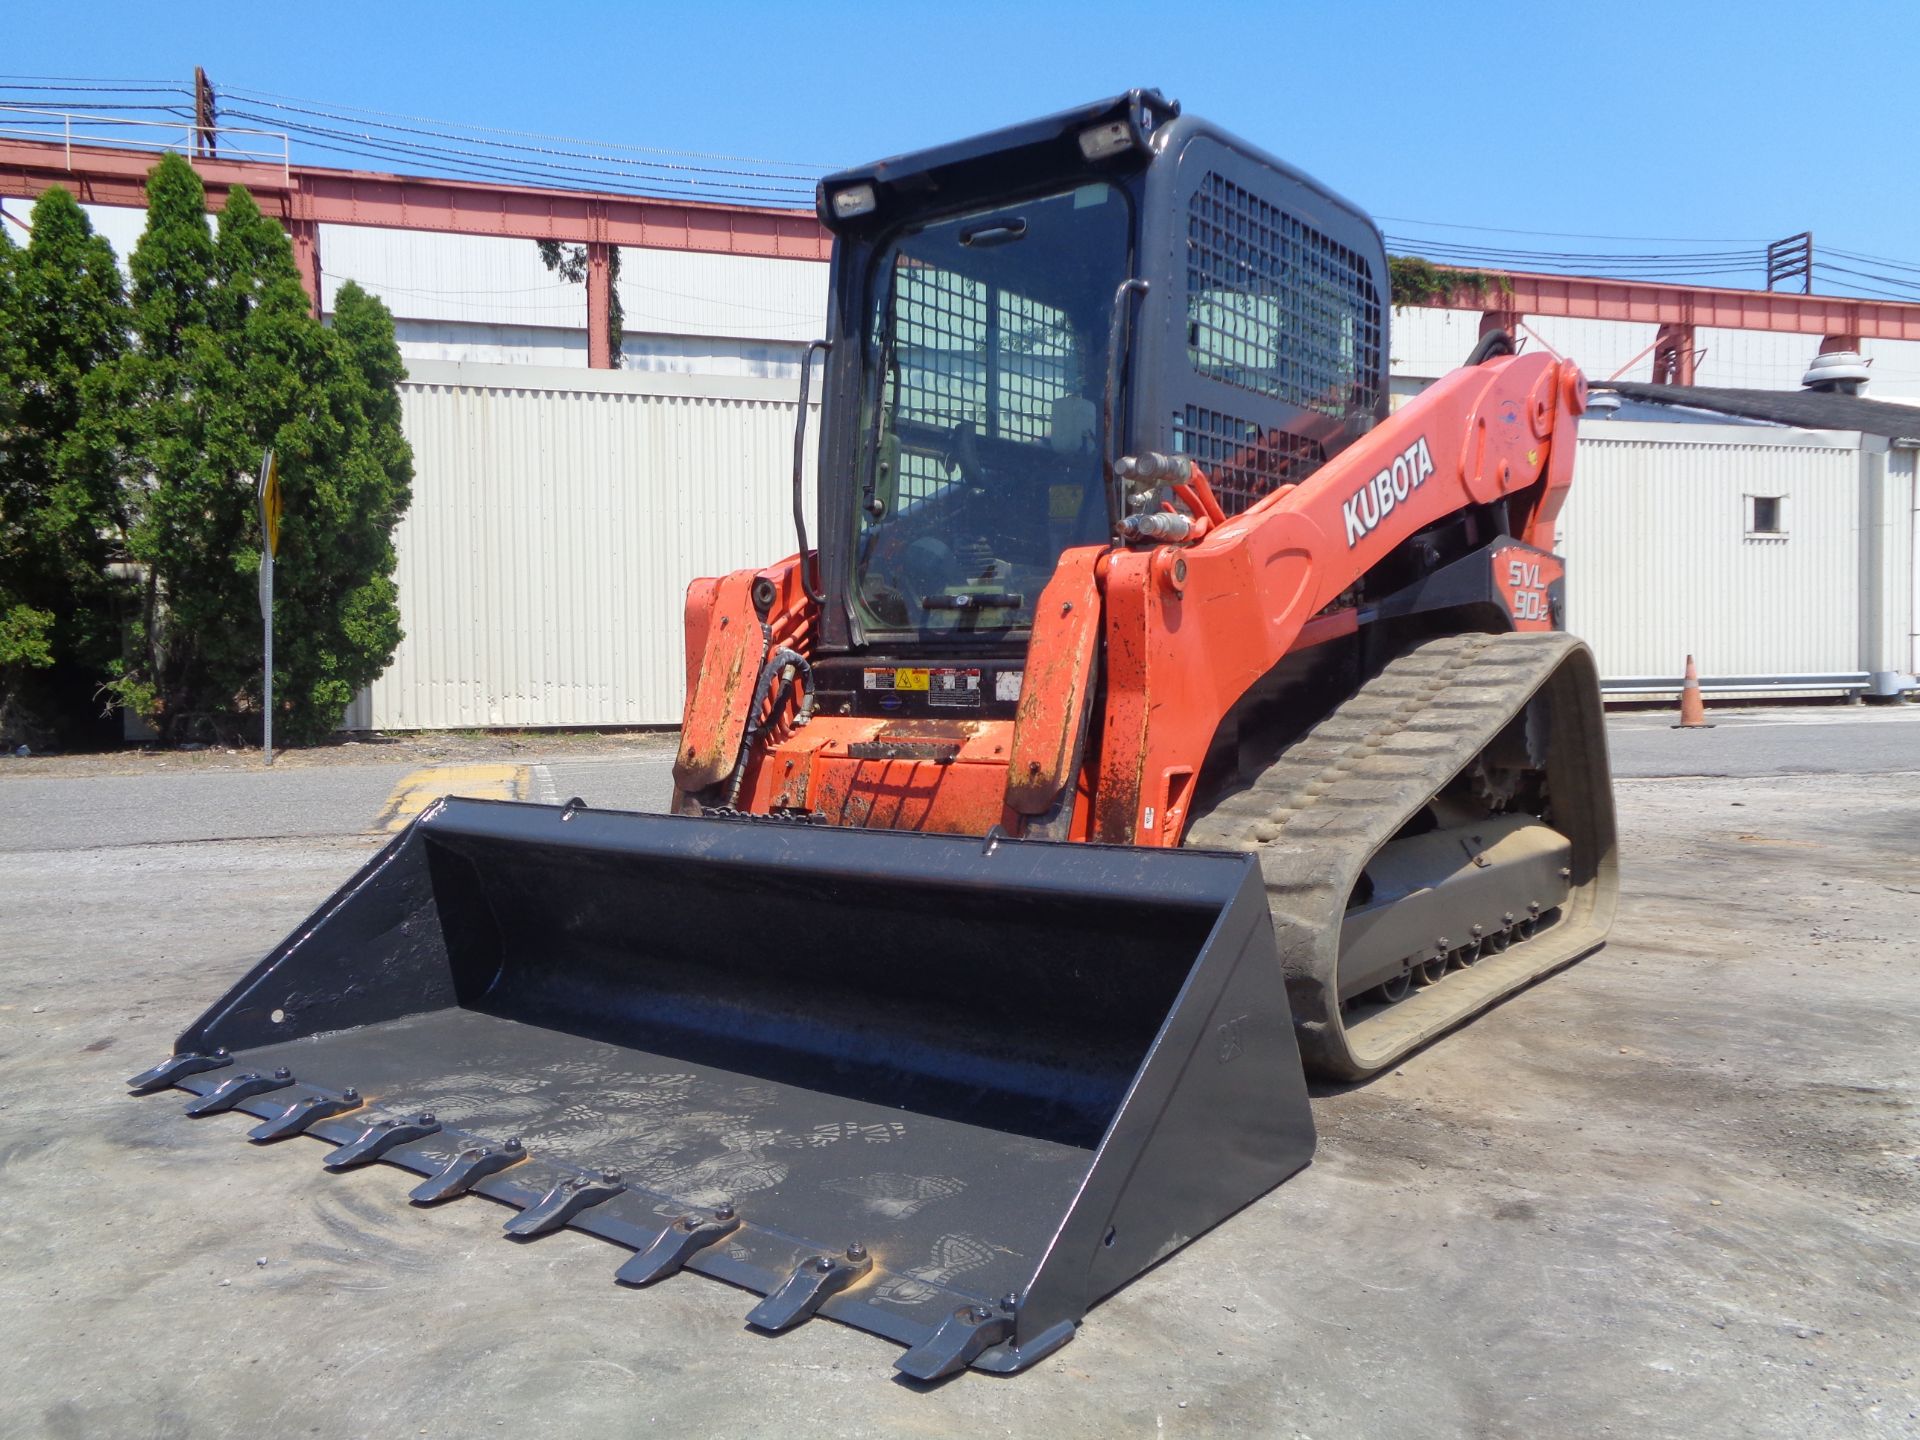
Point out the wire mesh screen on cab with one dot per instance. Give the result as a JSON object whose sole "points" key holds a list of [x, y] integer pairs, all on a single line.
{"points": [[1279, 310], [948, 325], [1244, 461]]}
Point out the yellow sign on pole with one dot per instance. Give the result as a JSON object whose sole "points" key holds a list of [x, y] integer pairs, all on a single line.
{"points": [[270, 503]]}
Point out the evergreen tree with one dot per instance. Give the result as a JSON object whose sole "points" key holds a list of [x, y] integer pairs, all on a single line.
{"points": [[24, 630], [64, 315], [230, 363], [337, 556], [153, 416]]}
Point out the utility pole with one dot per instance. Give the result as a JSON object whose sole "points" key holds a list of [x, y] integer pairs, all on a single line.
{"points": [[205, 116], [1791, 259]]}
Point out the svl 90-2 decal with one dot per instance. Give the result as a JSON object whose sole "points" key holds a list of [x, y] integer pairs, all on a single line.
{"points": [[1527, 591]]}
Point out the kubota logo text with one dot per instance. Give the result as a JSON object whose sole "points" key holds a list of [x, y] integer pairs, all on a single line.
{"points": [[1375, 500]]}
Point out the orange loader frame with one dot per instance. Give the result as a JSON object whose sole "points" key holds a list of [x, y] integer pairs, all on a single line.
{"points": [[1180, 631]]}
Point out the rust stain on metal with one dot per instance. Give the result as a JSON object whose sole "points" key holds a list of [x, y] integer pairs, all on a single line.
{"points": [[1053, 693]]}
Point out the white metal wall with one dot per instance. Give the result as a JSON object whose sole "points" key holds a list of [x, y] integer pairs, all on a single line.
{"points": [[1426, 344], [557, 517], [1660, 564], [1898, 526], [482, 298]]}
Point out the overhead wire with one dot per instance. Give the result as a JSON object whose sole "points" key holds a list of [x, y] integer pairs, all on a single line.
{"points": [[812, 167], [468, 150], [539, 150], [461, 149], [1870, 259], [514, 168]]}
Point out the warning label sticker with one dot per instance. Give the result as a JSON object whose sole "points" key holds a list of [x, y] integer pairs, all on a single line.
{"points": [[953, 689], [892, 679]]}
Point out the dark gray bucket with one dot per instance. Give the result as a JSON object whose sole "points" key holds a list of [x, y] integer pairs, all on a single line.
{"points": [[951, 1091]]}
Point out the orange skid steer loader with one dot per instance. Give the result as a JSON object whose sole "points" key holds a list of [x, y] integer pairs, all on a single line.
{"points": [[1161, 719]]}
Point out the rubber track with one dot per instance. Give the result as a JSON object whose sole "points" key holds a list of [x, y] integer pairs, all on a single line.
{"points": [[1319, 812]]}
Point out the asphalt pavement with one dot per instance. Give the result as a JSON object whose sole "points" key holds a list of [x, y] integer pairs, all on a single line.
{"points": [[1673, 1191], [161, 806], [1784, 740]]}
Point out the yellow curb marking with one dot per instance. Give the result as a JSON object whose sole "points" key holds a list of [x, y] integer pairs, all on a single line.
{"points": [[420, 788]]}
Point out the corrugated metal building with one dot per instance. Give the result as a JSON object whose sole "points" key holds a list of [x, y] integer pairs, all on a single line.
{"points": [[560, 511], [559, 514], [1426, 344], [474, 298], [1781, 559], [482, 299], [557, 518]]}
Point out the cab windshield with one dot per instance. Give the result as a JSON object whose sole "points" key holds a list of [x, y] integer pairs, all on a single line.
{"points": [[981, 426]]}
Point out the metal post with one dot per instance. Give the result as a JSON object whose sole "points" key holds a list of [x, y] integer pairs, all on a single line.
{"points": [[1791, 259], [305, 235], [266, 620], [1507, 320], [269, 500], [1674, 355], [599, 291]]}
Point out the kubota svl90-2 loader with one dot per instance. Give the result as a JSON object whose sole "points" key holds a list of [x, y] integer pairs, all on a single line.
{"points": [[1159, 711]]}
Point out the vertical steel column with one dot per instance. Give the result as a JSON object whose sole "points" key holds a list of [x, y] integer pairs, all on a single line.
{"points": [[1674, 355], [1507, 320], [599, 332], [305, 235]]}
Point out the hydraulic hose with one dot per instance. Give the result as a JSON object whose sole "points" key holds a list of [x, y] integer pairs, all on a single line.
{"points": [[785, 667]]}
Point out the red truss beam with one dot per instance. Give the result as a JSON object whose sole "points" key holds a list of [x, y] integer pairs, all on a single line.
{"points": [[311, 195], [305, 196], [1648, 303]]}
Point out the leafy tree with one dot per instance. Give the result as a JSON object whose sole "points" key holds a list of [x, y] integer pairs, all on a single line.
{"points": [[62, 315], [152, 417], [231, 362], [334, 576], [569, 262]]}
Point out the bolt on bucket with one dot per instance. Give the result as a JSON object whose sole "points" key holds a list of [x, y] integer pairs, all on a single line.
{"points": [[947, 1090]]}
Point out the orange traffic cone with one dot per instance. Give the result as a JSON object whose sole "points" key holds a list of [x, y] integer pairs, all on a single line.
{"points": [[1693, 709]]}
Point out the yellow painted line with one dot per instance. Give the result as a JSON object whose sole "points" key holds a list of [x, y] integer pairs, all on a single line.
{"points": [[420, 788]]}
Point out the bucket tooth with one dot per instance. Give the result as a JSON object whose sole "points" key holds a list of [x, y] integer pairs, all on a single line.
{"points": [[229, 1093], [813, 1280], [305, 1111], [677, 1244], [467, 1169], [374, 1141], [564, 1201], [174, 1069], [962, 1337]]}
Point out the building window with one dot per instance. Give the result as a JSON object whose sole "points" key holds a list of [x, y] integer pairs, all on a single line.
{"points": [[1766, 517]]}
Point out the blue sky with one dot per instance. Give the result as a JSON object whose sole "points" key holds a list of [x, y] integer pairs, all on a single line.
{"points": [[1724, 122]]}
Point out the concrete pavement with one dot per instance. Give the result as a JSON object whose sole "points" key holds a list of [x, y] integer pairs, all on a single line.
{"points": [[1673, 1191]]}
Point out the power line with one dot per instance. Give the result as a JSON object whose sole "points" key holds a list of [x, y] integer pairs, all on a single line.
{"points": [[268, 95], [1866, 275], [539, 150], [1870, 259], [464, 150], [513, 168], [90, 87], [1570, 234], [478, 158]]}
